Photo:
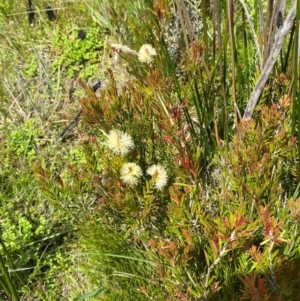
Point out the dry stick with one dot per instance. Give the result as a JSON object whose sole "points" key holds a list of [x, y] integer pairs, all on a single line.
{"points": [[76, 120], [71, 125], [275, 51]]}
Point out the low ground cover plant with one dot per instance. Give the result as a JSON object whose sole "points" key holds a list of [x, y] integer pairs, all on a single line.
{"points": [[169, 194]]}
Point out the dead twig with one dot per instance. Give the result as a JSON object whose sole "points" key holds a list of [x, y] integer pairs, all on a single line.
{"points": [[274, 53]]}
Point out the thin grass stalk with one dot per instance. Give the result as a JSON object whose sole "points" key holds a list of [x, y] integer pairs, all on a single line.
{"points": [[221, 64], [262, 26], [217, 19], [205, 29], [289, 50], [216, 27], [246, 54], [268, 29], [215, 117], [239, 82], [233, 68], [204, 111], [89, 295], [7, 281], [252, 28], [101, 15], [188, 23], [10, 262], [4, 287], [272, 13], [170, 66], [296, 89], [256, 15], [208, 85], [179, 6]]}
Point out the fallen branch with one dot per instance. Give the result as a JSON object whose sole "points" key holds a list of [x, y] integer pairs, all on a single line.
{"points": [[274, 53], [76, 120]]}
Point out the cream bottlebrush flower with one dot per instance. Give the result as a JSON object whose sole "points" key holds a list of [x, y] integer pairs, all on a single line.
{"points": [[130, 173], [159, 176], [119, 142], [146, 53]]}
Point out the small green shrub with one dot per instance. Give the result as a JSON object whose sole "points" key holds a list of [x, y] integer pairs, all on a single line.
{"points": [[31, 232], [212, 239], [78, 56], [169, 196]]}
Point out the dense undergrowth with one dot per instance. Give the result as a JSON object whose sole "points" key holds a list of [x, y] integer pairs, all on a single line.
{"points": [[163, 192]]}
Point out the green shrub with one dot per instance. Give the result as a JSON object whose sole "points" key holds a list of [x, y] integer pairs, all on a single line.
{"points": [[78, 56], [227, 239], [169, 196], [32, 234]]}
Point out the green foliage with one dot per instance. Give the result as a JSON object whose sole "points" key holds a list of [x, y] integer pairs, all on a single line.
{"points": [[261, 174], [78, 57], [165, 194], [29, 133], [7, 284], [114, 264], [225, 240], [32, 239], [5, 9]]}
